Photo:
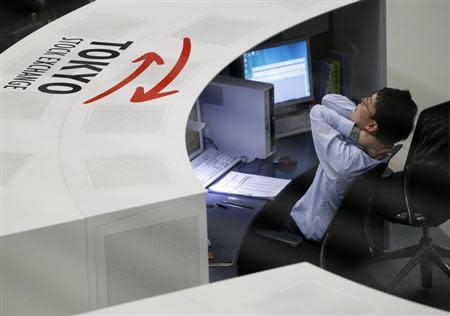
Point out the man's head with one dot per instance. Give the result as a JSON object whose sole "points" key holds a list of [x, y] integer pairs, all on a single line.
{"points": [[387, 114]]}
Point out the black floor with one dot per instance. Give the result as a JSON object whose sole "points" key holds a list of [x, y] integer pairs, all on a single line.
{"points": [[19, 18], [411, 288], [379, 275]]}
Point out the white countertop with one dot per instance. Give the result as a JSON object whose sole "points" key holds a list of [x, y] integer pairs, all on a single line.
{"points": [[300, 289]]}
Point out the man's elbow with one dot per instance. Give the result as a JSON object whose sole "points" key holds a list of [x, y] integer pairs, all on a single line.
{"points": [[325, 99], [315, 112], [328, 98]]}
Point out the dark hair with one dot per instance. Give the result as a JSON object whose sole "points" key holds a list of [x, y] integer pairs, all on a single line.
{"points": [[395, 112]]}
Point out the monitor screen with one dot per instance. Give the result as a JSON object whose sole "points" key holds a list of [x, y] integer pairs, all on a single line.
{"points": [[287, 66], [193, 144], [194, 134]]}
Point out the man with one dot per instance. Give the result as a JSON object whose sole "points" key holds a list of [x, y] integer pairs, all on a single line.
{"points": [[349, 140]]}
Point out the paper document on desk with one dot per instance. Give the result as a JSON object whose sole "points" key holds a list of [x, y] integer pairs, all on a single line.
{"points": [[249, 185]]}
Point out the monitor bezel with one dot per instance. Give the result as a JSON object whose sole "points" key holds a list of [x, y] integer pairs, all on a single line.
{"points": [[271, 44]]}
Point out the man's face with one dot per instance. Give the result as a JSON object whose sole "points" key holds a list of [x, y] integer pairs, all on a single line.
{"points": [[364, 112]]}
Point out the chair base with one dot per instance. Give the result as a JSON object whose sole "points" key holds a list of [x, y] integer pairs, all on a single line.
{"points": [[424, 253]]}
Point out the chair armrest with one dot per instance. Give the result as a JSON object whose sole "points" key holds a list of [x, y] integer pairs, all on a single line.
{"points": [[403, 218], [282, 236]]}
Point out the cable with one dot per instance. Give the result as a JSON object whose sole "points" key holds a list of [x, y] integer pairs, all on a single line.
{"points": [[211, 142]]}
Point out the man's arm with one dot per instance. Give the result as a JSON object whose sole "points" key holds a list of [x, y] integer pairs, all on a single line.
{"points": [[328, 130], [340, 104]]}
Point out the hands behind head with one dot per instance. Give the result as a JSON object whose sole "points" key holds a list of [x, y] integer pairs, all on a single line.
{"points": [[373, 146]]}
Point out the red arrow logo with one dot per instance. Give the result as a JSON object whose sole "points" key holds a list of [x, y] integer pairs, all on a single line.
{"points": [[141, 96], [147, 59]]}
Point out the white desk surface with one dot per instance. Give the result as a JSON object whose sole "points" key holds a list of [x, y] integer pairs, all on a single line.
{"points": [[301, 289]]}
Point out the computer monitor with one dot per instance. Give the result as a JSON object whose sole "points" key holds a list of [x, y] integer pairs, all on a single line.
{"points": [[286, 65], [194, 136]]}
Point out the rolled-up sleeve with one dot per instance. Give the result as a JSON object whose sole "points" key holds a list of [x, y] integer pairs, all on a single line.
{"points": [[329, 130], [340, 104]]}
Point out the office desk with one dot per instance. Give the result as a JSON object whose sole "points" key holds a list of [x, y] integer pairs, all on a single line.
{"points": [[300, 289], [226, 227]]}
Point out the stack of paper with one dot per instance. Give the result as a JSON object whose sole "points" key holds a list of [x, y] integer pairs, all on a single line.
{"points": [[249, 185]]}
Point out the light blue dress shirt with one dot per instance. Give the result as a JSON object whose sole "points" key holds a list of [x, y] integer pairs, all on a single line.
{"points": [[341, 161]]}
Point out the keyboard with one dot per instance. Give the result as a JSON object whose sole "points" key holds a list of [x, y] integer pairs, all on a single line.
{"points": [[292, 124], [211, 164]]}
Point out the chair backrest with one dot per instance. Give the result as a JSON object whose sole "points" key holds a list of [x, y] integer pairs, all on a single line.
{"points": [[426, 175], [348, 224], [349, 239]]}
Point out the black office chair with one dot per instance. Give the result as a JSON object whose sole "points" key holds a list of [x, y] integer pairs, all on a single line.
{"points": [[424, 190], [347, 242], [344, 241]]}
